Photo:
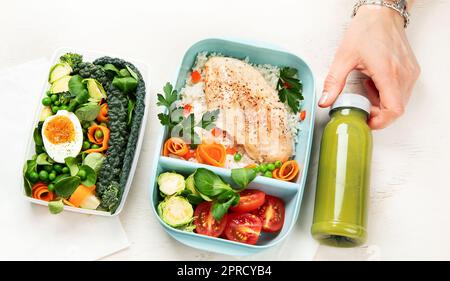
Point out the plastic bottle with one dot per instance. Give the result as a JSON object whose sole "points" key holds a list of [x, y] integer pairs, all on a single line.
{"points": [[340, 212]]}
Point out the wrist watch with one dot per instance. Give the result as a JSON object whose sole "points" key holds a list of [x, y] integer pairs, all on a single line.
{"points": [[399, 6]]}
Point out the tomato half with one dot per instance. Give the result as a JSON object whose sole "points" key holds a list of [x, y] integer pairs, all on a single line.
{"points": [[244, 228], [205, 223], [271, 214], [251, 199]]}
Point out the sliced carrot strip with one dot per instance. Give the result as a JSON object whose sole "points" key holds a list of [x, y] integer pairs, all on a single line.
{"points": [[79, 195], [231, 150], [287, 172], [103, 114], [40, 191], [68, 203], [251, 166], [175, 146], [212, 154], [104, 139]]}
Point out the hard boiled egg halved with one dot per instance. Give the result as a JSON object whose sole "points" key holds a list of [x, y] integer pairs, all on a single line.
{"points": [[62, 135]]}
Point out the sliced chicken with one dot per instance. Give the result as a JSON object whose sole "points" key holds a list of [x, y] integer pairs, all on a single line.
{"points": [[250, 110]]}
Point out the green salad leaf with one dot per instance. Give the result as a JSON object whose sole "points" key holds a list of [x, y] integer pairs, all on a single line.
{"points": [[72, 164], [90, 177], [64, 187], [125, 84], [243, 176], [44, 159], [88, 112]]}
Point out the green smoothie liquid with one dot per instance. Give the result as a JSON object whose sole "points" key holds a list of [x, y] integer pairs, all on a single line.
{"points": [[340, 212]]}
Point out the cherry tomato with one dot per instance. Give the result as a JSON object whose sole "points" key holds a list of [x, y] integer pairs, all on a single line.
{"points": [[195, 76], [271, 214], [244, 228], [251, 199], [205, 223]]}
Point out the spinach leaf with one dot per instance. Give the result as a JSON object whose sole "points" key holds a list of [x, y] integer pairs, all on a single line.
{"points": [[43, 159], [66, 186], [88, 112], [132, 73], [72, 164], [242, 177], [125, 84], [124, 73], [111, 68], [26, 181], [220, 207], [91, 176], [209, 184], [78, 89], [37, 137], [131, 104]]}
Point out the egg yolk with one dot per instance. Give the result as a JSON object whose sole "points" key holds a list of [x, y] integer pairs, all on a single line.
{"points": [[59, 130]]}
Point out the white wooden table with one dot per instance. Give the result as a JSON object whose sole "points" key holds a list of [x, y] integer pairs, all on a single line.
{"points": [[409, 211]]}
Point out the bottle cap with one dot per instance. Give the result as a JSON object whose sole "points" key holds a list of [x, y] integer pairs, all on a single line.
{"points": [[352, 100]]}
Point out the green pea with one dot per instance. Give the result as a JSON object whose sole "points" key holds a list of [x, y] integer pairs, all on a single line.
{"points": [[49, 93], [237, 156], [82, 174], [52, 176], [55, 109], [43, 175], [51, 187], [278, 164], [98, 134], [263, 168], [86, 145], [34, 176], [65, 170], [48, 168], [58, 103], [54, 98], [46, 101], [268, 174], [270, 167], [63, 107], [94, 146], [57, 168]]}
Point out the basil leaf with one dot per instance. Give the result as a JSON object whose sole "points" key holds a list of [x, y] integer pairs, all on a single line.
{"points": [[111, 68], [125, 84], [208, 183], [88, 112], [43, 159], [66, 186], [91, 176], [242, 177], [72, 164]]}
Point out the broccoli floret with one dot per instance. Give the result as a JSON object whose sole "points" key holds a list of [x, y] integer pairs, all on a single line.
{"points": [[109, 197], [72, 59]]}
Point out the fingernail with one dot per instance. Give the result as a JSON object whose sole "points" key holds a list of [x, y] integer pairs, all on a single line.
{"points": [[324, 98]]}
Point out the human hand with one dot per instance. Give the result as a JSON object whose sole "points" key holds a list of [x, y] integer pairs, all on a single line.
{"points": [[375, 44]]}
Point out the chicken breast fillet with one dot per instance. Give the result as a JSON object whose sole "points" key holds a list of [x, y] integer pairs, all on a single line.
{"points": [[250, 110]]}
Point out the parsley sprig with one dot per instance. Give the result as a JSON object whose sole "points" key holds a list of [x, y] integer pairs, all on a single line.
{"points": [[180, 125], [290, 88]]}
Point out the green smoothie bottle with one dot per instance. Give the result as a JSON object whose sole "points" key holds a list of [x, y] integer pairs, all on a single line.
{"points": [[340, 211]]}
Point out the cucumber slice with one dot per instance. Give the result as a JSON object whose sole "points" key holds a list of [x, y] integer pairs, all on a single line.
{"points": [[61, 85], [59, 70], [95, 89]]}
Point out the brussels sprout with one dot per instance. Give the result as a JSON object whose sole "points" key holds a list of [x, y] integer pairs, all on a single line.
{"points": [[171, 183], [176, 211]]}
